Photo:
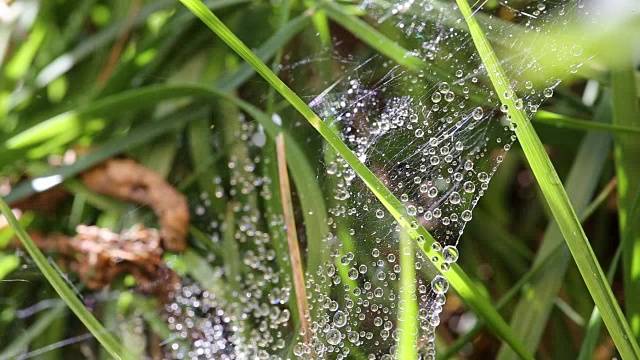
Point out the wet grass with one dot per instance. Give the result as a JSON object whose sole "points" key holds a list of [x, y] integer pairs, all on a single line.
{"points": [[173, 99]]}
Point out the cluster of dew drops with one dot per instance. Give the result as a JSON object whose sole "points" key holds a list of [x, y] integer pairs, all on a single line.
{"points": [[439, 188]]}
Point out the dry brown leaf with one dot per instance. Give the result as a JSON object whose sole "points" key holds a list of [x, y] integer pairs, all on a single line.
{"points": [[127, 180]]}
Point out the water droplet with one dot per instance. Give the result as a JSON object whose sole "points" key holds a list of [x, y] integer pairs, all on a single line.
{"points": [[508, 94], [379, 213], [576, 50], [483, 176], [352, 273], [439, 284], [339, 319], [519, 104], [469, 187], [450, 254], [334, 336], [332, 168], [477, 113], [466, 215], [449, 96]]}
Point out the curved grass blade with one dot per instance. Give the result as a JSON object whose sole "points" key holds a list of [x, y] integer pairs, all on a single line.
{"points": [[457, 278], [135, 137], [556, 196], [61, 287]]}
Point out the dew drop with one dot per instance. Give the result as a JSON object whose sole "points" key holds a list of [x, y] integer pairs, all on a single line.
{"points": [[439, 284], [450, 254], [469, 187], [477, 113], [339, 318], [334, 336], [483, 176]]}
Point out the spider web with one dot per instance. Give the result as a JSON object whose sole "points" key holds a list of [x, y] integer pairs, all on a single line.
{"points": [[435, 137]]}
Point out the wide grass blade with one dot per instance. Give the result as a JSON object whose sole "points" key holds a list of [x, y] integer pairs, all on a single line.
{"points": [[530, 317], [456, 277], [555, 195], [627, 151]]}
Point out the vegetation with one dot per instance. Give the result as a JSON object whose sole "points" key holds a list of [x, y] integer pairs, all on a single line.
{"points": [[344, 164]]}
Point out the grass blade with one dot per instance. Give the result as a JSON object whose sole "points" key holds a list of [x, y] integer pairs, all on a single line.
{"points": [[595, 320], [556, 196], [529, 319], [61, 287], [534, 270], [292, 237], [561, 121], [627, 151], [408, 305], [372, 37], [463, 284]]}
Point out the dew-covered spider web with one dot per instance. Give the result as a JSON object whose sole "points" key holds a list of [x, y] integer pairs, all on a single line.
{"points": [[434, 134]]}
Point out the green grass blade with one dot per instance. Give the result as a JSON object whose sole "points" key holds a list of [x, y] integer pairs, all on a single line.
{"points": [[138, 136], [463, 284], [627, 152], [595, 320], [561, 121], [68, 60], [526, 278], [556, 196], [61, 287], [372, 37], [19, 344], [529, 319], [408, 305], [280, 38]]}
